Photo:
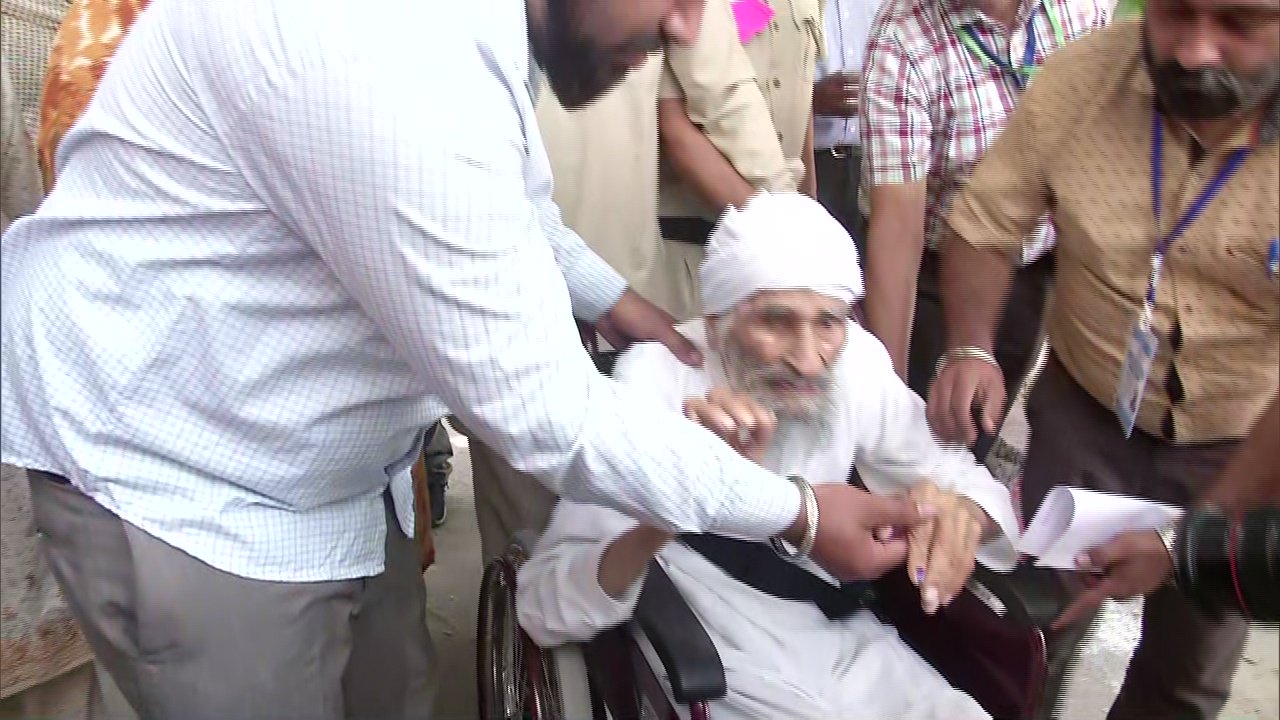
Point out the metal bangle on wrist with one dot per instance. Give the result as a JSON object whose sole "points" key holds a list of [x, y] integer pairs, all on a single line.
{"points": [[968, 352], [810, 503]]}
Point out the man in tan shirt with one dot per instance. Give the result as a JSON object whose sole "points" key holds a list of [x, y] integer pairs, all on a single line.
{"points": [[1123, 150], [735, 117]]}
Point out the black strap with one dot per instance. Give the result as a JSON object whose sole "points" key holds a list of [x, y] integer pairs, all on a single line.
{"points": [[692, 230], [758, 566]]}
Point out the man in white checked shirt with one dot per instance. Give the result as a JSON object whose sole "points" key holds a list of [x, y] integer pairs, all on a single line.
{"points": [[270, 260]]}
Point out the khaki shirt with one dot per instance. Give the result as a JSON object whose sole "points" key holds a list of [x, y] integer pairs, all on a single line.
{"points": [[1080, 145], [723, 87], [604, 159]]}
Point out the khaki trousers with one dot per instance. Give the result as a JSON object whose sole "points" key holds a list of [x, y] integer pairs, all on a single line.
{"points": [[85, 693], [185, 640], [507, 501]]}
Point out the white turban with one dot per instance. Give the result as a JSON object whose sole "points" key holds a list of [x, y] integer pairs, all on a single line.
{"points": [[778, 242]]}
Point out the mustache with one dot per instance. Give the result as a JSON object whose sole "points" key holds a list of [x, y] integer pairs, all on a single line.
{"points": [[786, 376]]}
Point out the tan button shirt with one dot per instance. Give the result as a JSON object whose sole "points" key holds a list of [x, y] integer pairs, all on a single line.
{"points": [[722, 87], [1080, 145]]}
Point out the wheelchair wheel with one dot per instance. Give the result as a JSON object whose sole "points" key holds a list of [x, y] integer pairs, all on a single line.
{"points": [[515, 678]]}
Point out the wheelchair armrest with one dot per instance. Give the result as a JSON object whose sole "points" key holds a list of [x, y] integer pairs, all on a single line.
{"points": [[690, 658], [1030, 595]]}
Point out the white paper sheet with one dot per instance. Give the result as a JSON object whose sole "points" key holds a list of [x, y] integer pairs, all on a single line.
{"points": [[1072, 521]]}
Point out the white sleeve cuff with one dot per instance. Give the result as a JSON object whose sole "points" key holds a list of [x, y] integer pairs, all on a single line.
{"points": [[1000, 553]]}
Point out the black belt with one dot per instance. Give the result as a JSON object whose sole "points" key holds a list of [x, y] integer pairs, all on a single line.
{"points": [[692, 230], [758, 566]]}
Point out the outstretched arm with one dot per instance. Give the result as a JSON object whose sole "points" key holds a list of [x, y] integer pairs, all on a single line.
{"points": [[585, 574]]}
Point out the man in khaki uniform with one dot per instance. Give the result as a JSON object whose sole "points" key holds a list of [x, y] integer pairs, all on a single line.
{"points": [[605, 162], [735, 117]]}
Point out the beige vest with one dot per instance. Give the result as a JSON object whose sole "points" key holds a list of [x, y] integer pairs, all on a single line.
{"points": [[604, 159]]}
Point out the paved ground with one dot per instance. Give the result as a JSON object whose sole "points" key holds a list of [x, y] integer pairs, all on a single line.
{"points": [[453, 586]]}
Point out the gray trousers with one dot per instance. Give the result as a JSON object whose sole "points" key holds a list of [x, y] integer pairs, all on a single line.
{"points": [[186, 641], [1185, 661]]}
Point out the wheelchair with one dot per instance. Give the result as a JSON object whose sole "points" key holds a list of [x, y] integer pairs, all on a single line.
{"points": [[990, 642]]}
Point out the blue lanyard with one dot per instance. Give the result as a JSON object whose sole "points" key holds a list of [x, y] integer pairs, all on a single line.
{"points": [[1164, 242], [1022, 74]]}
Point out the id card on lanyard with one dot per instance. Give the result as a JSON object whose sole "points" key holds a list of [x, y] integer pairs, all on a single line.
{"points": [[1143, 343], [1020, 75]]}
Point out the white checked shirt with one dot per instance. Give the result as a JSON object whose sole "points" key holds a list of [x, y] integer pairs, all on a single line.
{"points": [[286, 237], [931, 107], [848, 27]]}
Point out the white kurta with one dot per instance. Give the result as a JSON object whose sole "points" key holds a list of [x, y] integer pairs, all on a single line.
{"points": [[782, 658]]}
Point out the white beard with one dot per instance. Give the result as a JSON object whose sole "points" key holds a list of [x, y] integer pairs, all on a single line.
{"points": [[794, 444]]}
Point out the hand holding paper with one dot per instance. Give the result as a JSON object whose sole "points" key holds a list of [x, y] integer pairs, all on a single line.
{"points": [[1073, 521], [1133, 564]]}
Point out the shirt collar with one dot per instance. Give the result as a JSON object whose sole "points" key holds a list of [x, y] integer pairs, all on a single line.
{"points": [[960, 13]]}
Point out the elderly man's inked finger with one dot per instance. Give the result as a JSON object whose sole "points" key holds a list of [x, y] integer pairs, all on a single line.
{"points": [[919, 540]]}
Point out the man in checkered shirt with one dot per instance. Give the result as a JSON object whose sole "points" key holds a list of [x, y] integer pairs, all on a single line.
{"points": [[940, 79]]}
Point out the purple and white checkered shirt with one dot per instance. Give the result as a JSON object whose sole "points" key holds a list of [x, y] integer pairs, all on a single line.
{"points": [[932, 106]]}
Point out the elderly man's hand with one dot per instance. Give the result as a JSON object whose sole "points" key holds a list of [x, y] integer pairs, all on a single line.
{"points": [[737, 418], [942, 550], [633, 318], [849, 543], [1135, 563]]}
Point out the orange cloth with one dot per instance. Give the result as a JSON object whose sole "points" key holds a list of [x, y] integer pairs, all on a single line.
{"points": [[88, 37]]}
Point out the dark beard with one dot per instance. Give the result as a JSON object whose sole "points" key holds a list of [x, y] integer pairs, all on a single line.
{"points": [[579, 69], [1208, 93]]}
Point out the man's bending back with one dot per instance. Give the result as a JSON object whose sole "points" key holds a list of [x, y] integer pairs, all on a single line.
{"points": [[794, 385]]}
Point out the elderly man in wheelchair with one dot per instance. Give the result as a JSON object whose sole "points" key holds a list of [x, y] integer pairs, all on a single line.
{"points": [[794, 384]]}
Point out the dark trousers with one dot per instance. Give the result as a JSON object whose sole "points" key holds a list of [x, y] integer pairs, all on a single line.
{"points": [[839, 172], [1185, 661], [438, 453], [1019, 333]]}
